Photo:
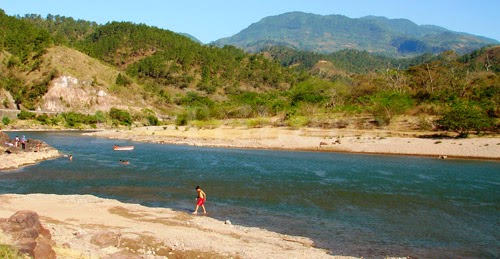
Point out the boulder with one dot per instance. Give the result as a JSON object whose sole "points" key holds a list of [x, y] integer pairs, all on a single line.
{"points": [[29, 235]]}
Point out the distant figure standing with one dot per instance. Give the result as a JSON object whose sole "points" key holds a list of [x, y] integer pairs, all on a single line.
{"points": [[23, 142], [202, 197], [70, 157], [16, 141]]}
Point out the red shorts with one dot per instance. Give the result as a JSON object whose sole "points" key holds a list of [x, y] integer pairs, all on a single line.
{"points": [[200, 202]]}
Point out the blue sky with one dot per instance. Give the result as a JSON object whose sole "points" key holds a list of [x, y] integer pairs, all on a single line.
{"points": [[210, 20]]}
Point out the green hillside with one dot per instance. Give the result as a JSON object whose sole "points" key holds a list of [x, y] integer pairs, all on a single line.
{"points": [[130, 74], [164, 59], [330, 33], [349, 61]]}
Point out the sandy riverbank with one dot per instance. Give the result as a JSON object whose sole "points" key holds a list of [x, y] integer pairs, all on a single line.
{"points": [[91, 227], [13, 161], [338, 140]]}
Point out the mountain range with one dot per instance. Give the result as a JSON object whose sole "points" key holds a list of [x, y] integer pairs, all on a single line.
{"points": [[62, 65], [330, 33]]}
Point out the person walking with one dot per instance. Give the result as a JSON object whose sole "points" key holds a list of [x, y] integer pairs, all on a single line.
{"points": [[202, 197]]}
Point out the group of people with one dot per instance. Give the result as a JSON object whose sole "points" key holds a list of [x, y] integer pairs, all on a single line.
{"points": [[20, 142]]}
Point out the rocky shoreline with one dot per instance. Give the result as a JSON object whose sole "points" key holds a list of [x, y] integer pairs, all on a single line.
{"points": [[91, 227], [13, 157]]}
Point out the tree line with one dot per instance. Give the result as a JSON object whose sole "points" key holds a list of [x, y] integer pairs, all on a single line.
{"points": [[300, 88]]}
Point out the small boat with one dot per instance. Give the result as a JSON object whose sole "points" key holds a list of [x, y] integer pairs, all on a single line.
{"points": [[123, 148]]}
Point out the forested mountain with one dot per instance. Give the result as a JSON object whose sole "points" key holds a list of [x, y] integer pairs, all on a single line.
{"points": [[348, 60], [73, 67], [330, 33], [156, 64]]}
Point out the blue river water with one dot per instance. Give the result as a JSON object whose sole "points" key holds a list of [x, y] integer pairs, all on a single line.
{"points": [[360, 205]]}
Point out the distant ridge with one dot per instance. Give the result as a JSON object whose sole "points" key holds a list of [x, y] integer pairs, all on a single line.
{"points": [[191, 37], [330, 33]]}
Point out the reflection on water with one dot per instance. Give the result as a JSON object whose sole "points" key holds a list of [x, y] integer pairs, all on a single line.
{"points": [[360, 205]]}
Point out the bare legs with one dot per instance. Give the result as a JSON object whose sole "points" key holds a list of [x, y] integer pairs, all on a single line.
{"points": [[197, 207]]}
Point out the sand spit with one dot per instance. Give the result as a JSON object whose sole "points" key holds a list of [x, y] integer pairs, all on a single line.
{"points": [[84, 226], [13, 155], [356, 141]]}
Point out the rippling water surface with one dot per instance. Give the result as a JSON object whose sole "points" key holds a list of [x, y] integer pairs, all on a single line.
{"points": [[361, 205]]}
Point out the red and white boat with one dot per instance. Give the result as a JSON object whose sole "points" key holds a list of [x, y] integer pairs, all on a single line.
{"points": [[122, 148]]}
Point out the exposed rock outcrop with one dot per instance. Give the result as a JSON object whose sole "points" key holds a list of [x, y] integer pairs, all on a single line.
{"points": [[29, 236]]}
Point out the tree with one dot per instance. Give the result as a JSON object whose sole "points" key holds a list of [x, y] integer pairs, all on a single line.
{"points": [[464, 116], [385, 105], [122, 80]]}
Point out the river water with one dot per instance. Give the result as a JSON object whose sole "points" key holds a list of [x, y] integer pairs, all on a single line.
{"points": [[361, 205]]}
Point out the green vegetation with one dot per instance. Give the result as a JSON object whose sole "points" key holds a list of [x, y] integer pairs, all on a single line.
{"points": [[5, 120], [194, 84], [7, 252], [332, 33], [120, 117], [463, 117], [347, 60], [26, 115], [385, 105], [76, 120]]}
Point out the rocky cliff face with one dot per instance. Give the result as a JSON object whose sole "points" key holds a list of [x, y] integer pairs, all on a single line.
{"points": [[80, 84], [70, 93]]}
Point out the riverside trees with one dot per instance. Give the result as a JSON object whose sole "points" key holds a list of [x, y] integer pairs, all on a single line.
{"points": [[198, 82]]}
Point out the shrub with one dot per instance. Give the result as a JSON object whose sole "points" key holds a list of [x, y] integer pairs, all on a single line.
{"points": [[5, 120], [9, 253], [424, 123], [26, 115], [100, 116], [257, 122], [153, 120], [55, 120], [73, 119], [122, 80], [44, 119], [121, 116], [297, 121], [210, 124], [182, 119], [385, 105], [313, 90]]}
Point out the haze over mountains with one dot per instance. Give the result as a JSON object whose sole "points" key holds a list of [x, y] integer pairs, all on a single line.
{"points": [[330, 33]]}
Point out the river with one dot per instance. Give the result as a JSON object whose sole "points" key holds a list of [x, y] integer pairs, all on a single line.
{"points": [[360, 205]]}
